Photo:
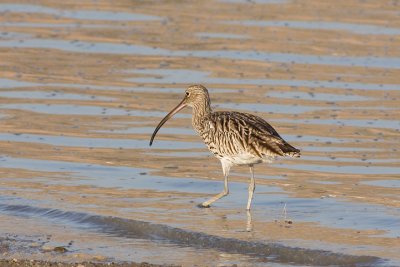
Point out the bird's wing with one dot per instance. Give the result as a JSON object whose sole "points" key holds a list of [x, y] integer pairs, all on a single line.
{"points": [[251, 134]]}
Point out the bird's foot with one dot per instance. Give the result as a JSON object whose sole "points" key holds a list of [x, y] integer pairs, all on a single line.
{"points": [[202, 206]]}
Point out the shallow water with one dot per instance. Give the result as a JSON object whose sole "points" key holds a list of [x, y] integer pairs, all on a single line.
{"points": [[143, 230], [141, 50], [82, 88], [76, 14], [164, 76]]}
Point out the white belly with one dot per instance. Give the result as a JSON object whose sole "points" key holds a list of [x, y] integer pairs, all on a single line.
{"points": [[246, 159]]}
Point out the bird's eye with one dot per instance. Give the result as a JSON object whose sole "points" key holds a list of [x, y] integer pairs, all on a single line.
{"points": [[187, 93]]}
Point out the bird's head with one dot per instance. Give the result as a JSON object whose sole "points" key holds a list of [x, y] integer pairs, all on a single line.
{"points": [[195, 95]]}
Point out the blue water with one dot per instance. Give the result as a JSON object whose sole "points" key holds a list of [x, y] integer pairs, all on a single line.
{"points": [[14, 35], [88, 142], [77, 25], [328, 211], [133, 230], [77, 14], [169, 76], [352, 169], [384, 183], [130, 49], [52, 95], [10, 83], [71, 109], [372, 123]]}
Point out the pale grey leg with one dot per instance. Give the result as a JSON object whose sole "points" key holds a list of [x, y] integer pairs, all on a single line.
{"points": [[225, 168], [249, 224], [252, 187]]}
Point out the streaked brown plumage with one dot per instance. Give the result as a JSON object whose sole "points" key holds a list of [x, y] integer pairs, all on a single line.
{"points": [[235, 138]]}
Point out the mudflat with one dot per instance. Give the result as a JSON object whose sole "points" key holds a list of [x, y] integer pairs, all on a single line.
{"points": [[83, 85]]}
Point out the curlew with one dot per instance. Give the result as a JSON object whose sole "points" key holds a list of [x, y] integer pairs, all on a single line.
{"points": [[235, 138]]}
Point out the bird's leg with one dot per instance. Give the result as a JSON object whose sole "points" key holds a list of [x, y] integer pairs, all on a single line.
{"points": [[249, 224], [252, 187], [225, 168], [207, 203]]}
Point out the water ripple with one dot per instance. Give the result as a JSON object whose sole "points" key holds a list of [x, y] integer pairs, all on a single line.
{"points": [[119, 48], [129, 228], [62, 140], [77, 14], [172, 76], [70, 109]]}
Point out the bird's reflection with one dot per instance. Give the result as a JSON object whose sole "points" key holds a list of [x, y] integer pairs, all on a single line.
{"points": [[249, 224]]}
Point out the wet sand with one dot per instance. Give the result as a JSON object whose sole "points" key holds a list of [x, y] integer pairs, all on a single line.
{"points": [[26, 263], [82, 87], [33, 263]]}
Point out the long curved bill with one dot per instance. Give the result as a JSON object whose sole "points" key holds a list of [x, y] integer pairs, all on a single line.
{"points": [[169, 115]]}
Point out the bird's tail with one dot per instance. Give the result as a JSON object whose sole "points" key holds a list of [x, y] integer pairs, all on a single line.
{"points": [[290, 151], [293, 154]]}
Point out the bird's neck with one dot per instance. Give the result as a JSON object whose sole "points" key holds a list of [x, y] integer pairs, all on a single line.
{"points": [[201, 110]]}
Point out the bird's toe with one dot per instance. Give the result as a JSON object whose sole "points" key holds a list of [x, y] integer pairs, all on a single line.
{"points": [[203, 206]]}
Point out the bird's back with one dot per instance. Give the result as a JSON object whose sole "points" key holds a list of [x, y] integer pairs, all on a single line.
{"points": [[243, 138]]}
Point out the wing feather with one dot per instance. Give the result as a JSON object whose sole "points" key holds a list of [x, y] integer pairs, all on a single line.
{"points": [[249, 133]]}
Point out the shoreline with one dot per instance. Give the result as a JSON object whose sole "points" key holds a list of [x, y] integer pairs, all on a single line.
{"points": [[45, 263], [20, 252]]}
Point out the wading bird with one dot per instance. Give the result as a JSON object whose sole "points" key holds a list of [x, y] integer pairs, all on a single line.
{"points": [[235, 138]]}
